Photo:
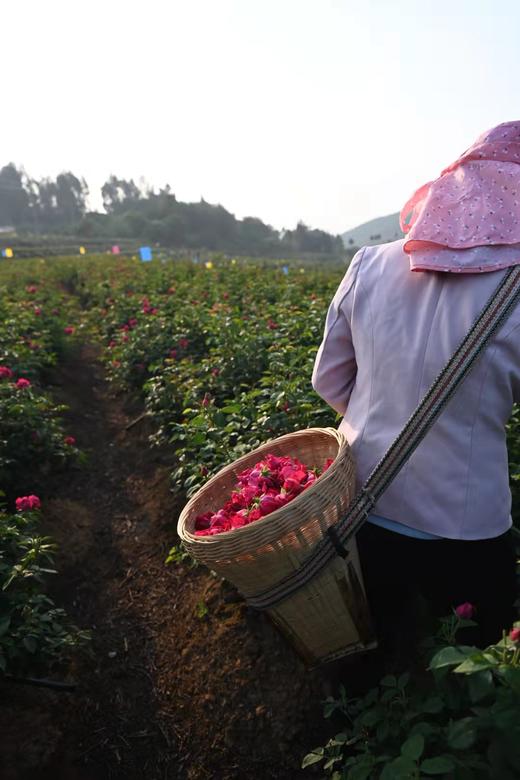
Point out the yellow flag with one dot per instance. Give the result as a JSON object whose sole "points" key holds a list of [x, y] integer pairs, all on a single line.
{"points": [[208, 264], [233, 262], [9, 252], [82, 250]]}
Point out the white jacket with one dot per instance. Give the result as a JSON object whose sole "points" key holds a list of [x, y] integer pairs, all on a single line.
{"points": [[389, 332]]}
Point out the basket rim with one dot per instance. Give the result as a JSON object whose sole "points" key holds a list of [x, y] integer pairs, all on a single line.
{"points": [[225, 536]]}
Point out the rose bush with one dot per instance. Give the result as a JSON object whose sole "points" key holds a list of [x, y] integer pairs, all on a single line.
{"points": [[460, 720], [34, 633]]}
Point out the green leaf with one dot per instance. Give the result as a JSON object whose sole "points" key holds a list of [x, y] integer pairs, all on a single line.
{"points": [[4, 624], [30, 644], [424, 728], [461, 733], [413, 747], [432, 705], [198, 421], [448, 656], [361, 771], [328, 708], [313, 758], [510, 675], [403, 680], [437, 766], [400, 768], [474, 665], [480, 685], [390, 681], [231, 409], [371, 717]]}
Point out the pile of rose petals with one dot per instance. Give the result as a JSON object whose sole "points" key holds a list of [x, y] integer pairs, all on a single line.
{"points": [[272, 483]]}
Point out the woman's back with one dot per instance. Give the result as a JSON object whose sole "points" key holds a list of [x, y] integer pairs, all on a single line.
{"points": [[389, 333]]}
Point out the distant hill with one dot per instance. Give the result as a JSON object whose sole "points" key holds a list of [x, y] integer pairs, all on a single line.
{"points": [[377, 231]]}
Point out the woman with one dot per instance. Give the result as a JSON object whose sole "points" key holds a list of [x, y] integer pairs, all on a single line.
{"points": [[443, 526]]}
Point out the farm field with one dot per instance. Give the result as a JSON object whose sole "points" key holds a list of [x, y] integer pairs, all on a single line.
{"points": [[123, 387]]}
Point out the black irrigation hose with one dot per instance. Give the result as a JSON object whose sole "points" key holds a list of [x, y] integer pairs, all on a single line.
{"points": [[38, 682]]}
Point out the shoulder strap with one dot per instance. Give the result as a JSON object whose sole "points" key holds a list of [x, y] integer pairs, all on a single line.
{"points": [[494, 314]]}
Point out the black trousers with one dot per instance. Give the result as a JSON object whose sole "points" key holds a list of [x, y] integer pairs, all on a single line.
{"points": [[396, 568]]}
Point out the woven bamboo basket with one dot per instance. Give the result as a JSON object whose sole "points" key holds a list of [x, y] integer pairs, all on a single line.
{"points": [[327, 618]]}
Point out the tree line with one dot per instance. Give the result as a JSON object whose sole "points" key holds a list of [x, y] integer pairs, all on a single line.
{"points": [[60, 206]]}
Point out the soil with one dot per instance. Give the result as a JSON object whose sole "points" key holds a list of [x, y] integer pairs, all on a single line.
{"points": [[166, 691]]}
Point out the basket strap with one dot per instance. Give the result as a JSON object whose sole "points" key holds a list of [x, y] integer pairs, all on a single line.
{"points": [[494, 314]]}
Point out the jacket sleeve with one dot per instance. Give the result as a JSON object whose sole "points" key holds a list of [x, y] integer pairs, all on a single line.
{"points": [[335, 367]]}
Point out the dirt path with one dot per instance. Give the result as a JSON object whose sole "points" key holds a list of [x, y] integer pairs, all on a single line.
{"points": [[167, 693]]}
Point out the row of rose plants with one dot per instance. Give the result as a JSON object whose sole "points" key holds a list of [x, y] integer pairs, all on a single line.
{"points": [[38, 323], [459, 719], [217, 355], [221, 357]]}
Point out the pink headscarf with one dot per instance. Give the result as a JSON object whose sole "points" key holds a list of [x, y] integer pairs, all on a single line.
{"points": [[473, 206]]}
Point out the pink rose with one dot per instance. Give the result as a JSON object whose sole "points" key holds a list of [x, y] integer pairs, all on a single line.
{"points": [[203, 521], [282, 499], [70, 441], [21, 384], [465, 611], [514, 635], [253, 515], [267, 504], [27, 503], [37, 311], [292, 485], [5, 372], [183, 343], [69, 330], [238, 520]]}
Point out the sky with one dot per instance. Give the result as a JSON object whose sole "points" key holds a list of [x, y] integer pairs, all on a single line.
{"points": [[328, 111]]}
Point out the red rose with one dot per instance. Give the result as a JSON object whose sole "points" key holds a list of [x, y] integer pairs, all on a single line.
{"points": [[5, 372], [21, 384], [70, 441], [465, 611], [514, 635], [27, 503]]}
